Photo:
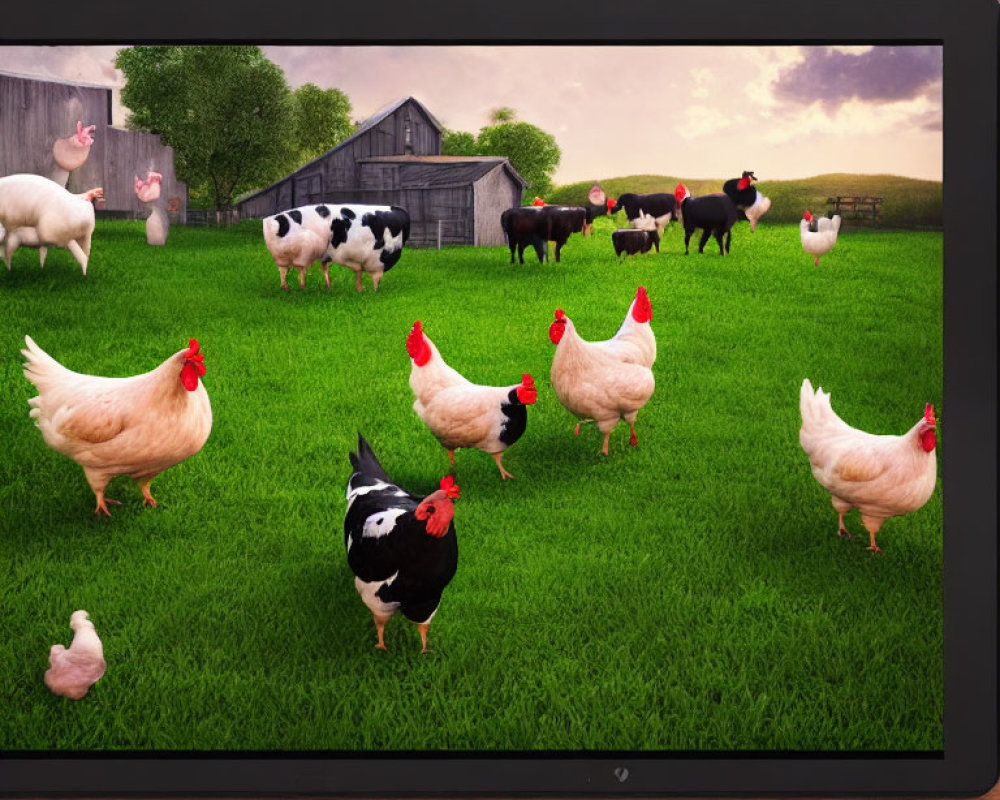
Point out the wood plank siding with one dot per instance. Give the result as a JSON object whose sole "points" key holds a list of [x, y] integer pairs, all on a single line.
{"points": [[394, 159], [34, 113]]}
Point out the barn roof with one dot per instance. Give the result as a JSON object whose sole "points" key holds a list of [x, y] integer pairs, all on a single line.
{"points": [[449, 171], [49, 79], [369, 123], [388, 110]]}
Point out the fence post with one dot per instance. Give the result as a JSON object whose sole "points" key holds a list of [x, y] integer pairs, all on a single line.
{"points": [[439, 234]]}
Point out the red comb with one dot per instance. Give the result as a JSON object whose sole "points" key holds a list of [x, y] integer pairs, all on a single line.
{"points": [[642, 309], [929, 414], [680, 192], [611, 203], [743, 184], [560, 315], [449, 487], [416, 345], [193, 348], [807, 216]]}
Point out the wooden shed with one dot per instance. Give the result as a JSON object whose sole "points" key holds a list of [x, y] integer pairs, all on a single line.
{"points": [[34, 112], [394, 158]]}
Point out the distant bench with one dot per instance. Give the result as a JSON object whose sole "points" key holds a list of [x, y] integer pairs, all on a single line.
{"points": [[865, 209]]}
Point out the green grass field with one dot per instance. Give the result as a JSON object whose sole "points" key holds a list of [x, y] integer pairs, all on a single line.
{"points": [[689, 593]]}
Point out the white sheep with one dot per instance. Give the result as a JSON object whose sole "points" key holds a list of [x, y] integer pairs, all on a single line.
{"points": [[74, 671], [56, 217]]}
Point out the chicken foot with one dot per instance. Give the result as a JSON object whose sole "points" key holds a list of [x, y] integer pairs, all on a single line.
{"points": [[842, 531], [102, 502]]}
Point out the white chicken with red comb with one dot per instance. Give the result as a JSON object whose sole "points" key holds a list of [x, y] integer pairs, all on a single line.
{"points": [[818, 235], [136, 426], [609, 380], [464, 414], [882, 476]]}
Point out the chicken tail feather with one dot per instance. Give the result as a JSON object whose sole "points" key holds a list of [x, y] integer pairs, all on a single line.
{"points": [[366, 462], [39, 367]]}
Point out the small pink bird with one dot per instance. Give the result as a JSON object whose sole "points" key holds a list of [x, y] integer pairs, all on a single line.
{"points": [[72, 672]]}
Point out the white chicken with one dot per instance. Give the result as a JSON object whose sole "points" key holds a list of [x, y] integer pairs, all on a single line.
{"points": [[73, 671], [819, 241], [136, 426], [464, 414], [882, 476], [609, 380]]}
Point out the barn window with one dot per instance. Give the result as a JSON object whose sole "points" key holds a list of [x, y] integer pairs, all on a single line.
{"points": [[407, 135]]}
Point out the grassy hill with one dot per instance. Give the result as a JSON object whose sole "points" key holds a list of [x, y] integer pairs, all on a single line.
{"points": [[907, 202]]}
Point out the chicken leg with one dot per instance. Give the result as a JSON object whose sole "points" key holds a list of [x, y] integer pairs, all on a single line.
{"points": [[498, 457], [147, 495], [380, 622], [872, 525], [423, 635]]}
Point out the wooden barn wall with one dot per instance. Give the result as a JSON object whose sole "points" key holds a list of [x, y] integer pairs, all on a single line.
{"points": [[134, 153], [338, 177], [494, 193], [34, 113]]}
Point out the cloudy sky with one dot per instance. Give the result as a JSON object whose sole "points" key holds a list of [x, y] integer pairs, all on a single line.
{"points": [[696, 112]]}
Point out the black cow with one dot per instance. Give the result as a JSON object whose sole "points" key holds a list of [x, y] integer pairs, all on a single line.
{"points": [[715, 214], [561, 221], [524, 225], [537, 225], [631, 241], [648, 212]]}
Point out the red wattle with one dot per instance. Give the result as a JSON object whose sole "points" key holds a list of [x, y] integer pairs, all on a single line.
{"points": [[556, 330], [189, 376], [526, 392], [928, 440]]}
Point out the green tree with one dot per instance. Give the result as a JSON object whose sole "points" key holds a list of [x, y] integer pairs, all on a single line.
{"points": [[458, 143], [226, 110], [531, 151], [502, 114], [322, 120]]}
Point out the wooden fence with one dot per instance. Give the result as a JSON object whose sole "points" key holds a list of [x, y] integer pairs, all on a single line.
{"points": [[852, 207]]}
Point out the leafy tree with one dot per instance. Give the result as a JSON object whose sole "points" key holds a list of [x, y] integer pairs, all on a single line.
{"points": [[226, 110], [502, 114], [458, 143], [322, 120], [531, 151]]}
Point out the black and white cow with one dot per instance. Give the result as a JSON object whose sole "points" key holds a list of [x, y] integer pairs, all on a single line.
{"points": [[749, 201], [647, 212], [631, 241], [538, 225], [363, 238], [715, 214]]}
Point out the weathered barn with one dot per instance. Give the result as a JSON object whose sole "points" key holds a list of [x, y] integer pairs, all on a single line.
{"points": [[394, 158], [34, 112]]}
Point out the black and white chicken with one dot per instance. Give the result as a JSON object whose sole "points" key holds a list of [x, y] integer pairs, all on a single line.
{"points": [[402, 549]]}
